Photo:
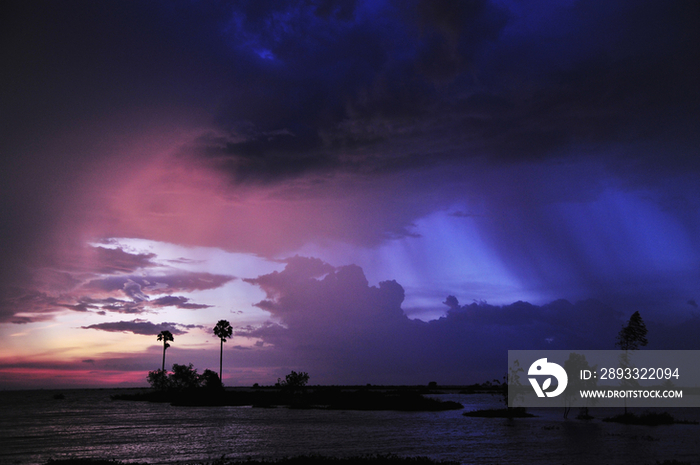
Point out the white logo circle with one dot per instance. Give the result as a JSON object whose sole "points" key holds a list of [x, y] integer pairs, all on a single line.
{"points": [[543, 367]]}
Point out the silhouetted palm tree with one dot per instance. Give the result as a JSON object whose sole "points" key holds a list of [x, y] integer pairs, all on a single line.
{"points": [[165, 336], [223, 330]]}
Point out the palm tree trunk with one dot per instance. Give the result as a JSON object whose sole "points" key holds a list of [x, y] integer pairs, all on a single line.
{"points": [[221, 361], [163, 367]]}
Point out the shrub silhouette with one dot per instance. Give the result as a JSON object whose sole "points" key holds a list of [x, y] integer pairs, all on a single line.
{"points": [[158, 379], [210, 380], [184, 378], [293, 381]]}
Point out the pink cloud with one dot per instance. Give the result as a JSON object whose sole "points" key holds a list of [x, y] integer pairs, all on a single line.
{"points": [[99, 279], [181, 198]]}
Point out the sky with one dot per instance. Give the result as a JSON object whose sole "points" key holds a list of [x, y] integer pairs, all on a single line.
{"points": [[374, 192]]}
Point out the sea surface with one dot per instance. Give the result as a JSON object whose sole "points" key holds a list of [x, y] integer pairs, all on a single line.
{"points": [[35, 427]]}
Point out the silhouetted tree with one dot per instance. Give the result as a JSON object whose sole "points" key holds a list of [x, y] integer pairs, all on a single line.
{"points": [[158, 379], [165, 336], [184, 377], [294, 380], [222, 330], [291, 386], [633, 335], [629, 338], [210, 380]]}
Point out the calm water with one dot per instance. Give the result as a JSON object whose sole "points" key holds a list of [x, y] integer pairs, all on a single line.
{"points": [[35, 427]]}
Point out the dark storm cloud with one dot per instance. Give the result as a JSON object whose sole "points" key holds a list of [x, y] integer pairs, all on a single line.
{"points": [[334, 323], [503, 80], [452, 33], [507, 82], [141, 327], [320, 87]]}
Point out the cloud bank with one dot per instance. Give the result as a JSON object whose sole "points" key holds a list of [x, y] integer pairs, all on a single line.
{"points": [[102, 280], [330, 322], [145, 328]]}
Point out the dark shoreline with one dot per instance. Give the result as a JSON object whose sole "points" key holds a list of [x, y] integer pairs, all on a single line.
{"points": [[402, 398]]}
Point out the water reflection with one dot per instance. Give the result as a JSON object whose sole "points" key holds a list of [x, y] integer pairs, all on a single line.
{"points": [[35, 427]]}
